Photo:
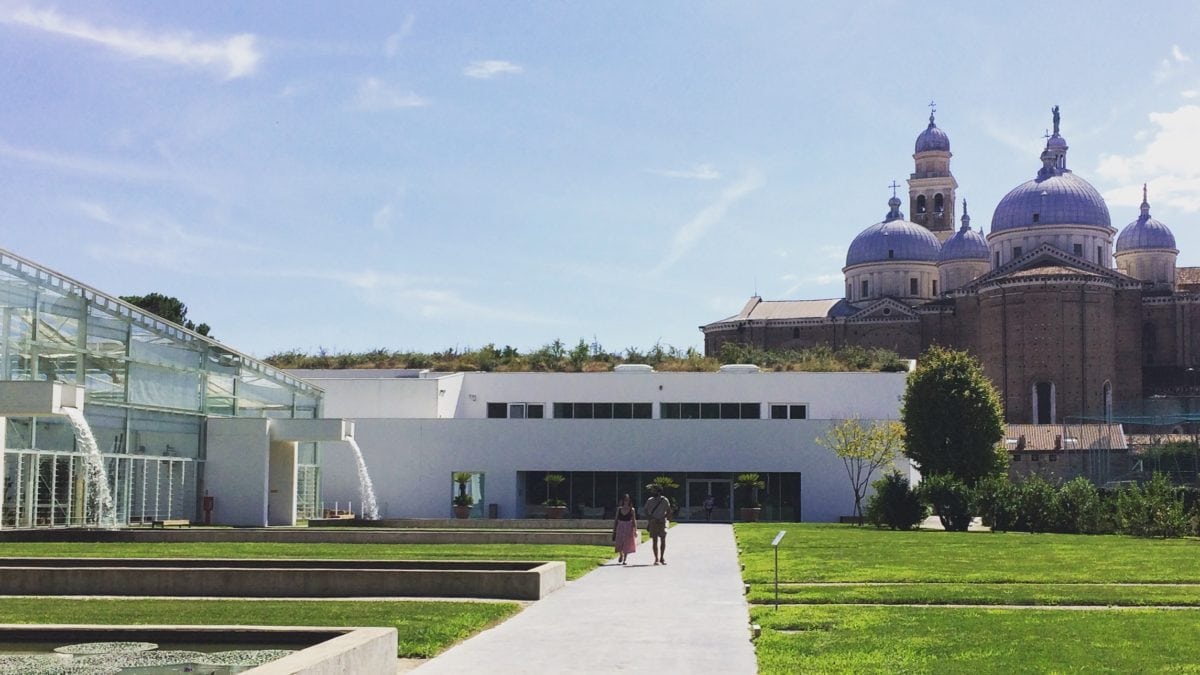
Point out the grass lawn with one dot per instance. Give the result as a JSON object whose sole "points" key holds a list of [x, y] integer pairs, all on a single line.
{"points": [[828, 552], [842, 587], [967, 640], [580, 559], [424, 628]]}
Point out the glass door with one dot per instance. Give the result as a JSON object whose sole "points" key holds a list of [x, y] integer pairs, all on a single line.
{"points": [[696, 508]]}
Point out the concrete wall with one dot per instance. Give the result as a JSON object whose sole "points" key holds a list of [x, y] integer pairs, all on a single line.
{"points": [[236, 470], [411, 461]]}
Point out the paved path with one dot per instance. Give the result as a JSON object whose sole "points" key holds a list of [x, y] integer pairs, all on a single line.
{"points": [[688, 616]]}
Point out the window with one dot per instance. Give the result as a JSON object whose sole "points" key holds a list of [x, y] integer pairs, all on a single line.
{"points": [[711, 411], [600, 411], [939, 203], [864, 289], [515, 411], [920, 203], [912, 286], [1053, 457], [1099, 255], [1043, 402], [1016, 457], [997, 262], [891, 253], [935, 286], [1033, 457], [795, 332], [789, 411], [1078, 248], [1037, 217], [1016, 252]]}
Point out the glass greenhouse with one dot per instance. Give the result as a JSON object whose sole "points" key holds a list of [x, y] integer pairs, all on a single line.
{"points": [[150, 386]]}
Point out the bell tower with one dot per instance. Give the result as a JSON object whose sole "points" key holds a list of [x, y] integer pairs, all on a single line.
{"points": [[931, 186]]}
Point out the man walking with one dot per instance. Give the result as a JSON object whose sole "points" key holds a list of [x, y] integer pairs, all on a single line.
{"points": [[657, 509]]}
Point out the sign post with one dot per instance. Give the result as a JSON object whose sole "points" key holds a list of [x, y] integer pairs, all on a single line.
{"points": [[775, 545]]}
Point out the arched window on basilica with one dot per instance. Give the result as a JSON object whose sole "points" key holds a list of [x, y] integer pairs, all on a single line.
{"points": [[1043, 403], [939, 203], [920, 203], [1108, 402]]}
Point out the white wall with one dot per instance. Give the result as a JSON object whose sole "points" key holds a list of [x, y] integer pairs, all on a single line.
{"points": [[411, 460], [236, 470]]}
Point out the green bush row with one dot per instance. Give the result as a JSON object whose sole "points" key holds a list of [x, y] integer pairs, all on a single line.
{"points": [[1156, 508]]}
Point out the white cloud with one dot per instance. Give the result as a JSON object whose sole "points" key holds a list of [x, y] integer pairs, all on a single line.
{"points": [[698, 172], [235, 56], [374, 94], [391, 46], [1190, 93], [688, 234], [1178, 55], [154, 240], [1171, 64], [1169, 161], [382, 220], [486, 70]]}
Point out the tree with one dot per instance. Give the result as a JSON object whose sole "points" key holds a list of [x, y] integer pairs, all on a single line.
{"points": [[864, 449], [166, 307], [894, 504], [952, 417]]}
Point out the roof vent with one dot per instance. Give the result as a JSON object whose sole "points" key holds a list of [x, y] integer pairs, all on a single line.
{"points": [[739, 368], [633, 368]]}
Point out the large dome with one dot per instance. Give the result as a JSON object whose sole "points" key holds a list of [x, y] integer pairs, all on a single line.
{"points": [[1145, 233], [1053, 199], [893, 239], [933, 139], [966, 244]]}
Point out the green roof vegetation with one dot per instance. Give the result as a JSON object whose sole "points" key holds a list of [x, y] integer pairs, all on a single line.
{"points": [[556, 357]]}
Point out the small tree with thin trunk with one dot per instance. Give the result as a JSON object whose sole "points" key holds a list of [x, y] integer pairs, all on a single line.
{"points": [[864, 449]]}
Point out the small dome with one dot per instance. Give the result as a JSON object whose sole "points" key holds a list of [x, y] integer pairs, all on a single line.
{"points": [[1145, 232], [933, 139], [893, 239], [966, 244]]}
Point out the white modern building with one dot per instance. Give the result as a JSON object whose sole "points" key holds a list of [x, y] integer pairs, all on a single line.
{"points": [[607, 433]]}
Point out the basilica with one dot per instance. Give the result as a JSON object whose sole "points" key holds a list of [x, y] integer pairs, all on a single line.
{"points": [[1072, 319]]}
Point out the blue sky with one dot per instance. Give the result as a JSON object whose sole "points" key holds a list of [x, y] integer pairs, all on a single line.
{"points": [[435, 175]]}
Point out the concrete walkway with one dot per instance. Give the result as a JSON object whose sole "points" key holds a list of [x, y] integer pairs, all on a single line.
{"points": [[688, 616]]}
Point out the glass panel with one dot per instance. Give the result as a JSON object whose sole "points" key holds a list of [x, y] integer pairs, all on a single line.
{"points": [[799, 412], [535, 411], [779, 412], [690, 411], [604, 411], [583, 411], [622, 411], [730, 411], [516, 411], [164, 387], [564, 411], [671, 411], [642, 411], [163, 434], [751, 411], [710, 411], [497, 411]]}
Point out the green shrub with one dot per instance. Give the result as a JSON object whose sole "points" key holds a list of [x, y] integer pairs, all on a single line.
{"points": [[894, 504], [994, 498], [1154, 509], [1077, 508], [1035, 498], [950, 500]]}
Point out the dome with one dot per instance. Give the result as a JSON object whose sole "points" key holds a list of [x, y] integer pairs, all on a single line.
{"points": [[933, 139], [1145, 232], [966, 244], [1055, 199], [893, 239]]}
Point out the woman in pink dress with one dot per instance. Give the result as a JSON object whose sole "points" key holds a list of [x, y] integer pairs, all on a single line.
{"points": [[625, 532]]}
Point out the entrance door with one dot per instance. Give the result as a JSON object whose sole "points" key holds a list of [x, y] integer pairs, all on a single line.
{"points": [[698, 489]]}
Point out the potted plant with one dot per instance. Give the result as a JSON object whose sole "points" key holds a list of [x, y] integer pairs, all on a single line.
{"points": [[462, 500], [668, 486], [751, 482], [555, 508]]}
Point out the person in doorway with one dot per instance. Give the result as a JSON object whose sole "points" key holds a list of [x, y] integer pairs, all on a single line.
{"points": [[657, 509], [709, 505], [625, 532]]}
